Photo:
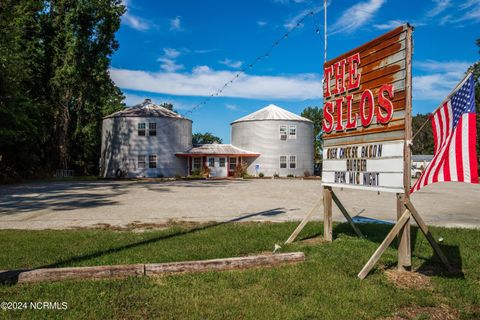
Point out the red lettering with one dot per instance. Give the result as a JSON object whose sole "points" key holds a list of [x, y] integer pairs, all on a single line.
{"points": [[351, 123], [339, 67], [327, 117], [366, 100], [326, 81], [353, 75], [339, 111], [385, 104]]}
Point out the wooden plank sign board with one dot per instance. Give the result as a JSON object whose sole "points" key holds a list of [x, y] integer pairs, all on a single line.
{"points": [[367, 114]]}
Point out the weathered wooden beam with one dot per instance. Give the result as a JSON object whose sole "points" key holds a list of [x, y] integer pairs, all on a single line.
{"points": [[428, 235], [346, 215], [60, 274], [384, 245], [122, 271], [224, 264], [327, 213], [302, 224], [404, 244]]}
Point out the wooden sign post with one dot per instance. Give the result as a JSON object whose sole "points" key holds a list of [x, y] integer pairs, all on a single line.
{"points": [[367, 132]]}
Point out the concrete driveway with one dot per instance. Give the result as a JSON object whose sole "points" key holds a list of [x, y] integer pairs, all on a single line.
{"points": [[60, 205]]}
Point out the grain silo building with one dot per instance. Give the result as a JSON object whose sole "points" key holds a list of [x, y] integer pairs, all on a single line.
{"points": [[283, 139], [142, 141]]}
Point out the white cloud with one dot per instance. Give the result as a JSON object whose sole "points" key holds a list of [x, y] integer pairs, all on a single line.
{"points": [[134, 21], [440, 6], [442, 78], [231, 107], [356, 16], [176, 24], [232, 64], [261, 23], [203, 81], [293, 22], [171, 52], [388, 25], [169, 64]]}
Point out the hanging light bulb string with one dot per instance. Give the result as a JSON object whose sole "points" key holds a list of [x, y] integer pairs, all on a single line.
{"points": [[250, 66]]}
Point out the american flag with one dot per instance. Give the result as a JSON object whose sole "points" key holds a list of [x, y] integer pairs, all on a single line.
{"points": [[455, 138]]}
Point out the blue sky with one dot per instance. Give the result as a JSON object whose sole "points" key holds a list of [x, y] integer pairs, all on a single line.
{"points": [[182, 51]]}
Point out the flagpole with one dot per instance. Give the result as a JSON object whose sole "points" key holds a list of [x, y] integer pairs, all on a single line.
{"points": [[325, 30], [441, 104]]}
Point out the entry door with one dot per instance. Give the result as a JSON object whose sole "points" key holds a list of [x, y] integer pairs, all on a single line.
{"points": [[218, 166]]}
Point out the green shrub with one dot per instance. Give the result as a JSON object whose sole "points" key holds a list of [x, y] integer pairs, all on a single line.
{"points": [[290, 176], [261, 175]]}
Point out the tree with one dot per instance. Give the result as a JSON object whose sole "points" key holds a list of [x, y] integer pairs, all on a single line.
{"points": [[476, 76], [316, 115], [423, 143], [205, 138], [168, 106], [55, 85]]}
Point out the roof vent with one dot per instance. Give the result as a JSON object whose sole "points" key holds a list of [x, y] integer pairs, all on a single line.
{"points": [[148, 101]]}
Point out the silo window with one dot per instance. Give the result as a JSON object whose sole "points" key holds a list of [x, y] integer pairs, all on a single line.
{"points": [[283, 132], [283, 162], [293, 162], [152, 161], [222, 162], [152, 129], [292, 133], [141, 161], [211, 162], [141, 129]]}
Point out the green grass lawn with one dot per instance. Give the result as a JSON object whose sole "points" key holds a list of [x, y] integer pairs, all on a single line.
{"points": [[324, 287]]}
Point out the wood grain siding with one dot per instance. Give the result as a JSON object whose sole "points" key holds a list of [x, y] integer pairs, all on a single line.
{"points": [[382, 61]]}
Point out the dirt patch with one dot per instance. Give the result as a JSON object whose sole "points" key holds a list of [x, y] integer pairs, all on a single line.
{"points": [[440, 312], [137, 226], [314, 240], [408, 280]]}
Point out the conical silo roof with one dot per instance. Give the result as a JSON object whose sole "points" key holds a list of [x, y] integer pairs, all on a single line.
{"points": [[272, 112]]}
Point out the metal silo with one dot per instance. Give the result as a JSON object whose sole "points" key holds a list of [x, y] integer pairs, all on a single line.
{"points": [[283, 139], [141, 141]]}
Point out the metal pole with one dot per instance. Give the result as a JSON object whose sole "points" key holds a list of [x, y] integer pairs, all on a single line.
{"points": [[325, 29]]}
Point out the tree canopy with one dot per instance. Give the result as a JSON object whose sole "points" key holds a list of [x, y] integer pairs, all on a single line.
{"points": [[316, 115], [205, 138], [55, 86]]}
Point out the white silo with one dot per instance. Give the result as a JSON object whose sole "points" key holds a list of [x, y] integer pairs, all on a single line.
{"points": [[283, 139], [142, 141]]}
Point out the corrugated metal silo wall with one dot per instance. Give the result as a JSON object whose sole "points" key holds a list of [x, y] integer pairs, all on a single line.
{"points": [[264, 137], [121, 146]]}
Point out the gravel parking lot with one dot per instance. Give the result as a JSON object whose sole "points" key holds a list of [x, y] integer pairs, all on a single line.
{"points": [[59, 205]]}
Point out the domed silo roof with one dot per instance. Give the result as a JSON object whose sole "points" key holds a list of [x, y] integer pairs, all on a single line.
{"points": [[146, 109], [272, 112]]}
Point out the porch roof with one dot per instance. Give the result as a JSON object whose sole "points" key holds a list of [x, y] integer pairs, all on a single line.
{"points": [[217, 150]]}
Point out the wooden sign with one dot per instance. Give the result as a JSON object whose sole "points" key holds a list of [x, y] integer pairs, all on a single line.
{"points": [[367, 114]]}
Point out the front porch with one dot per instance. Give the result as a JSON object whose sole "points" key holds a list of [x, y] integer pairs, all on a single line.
{"points": [[221, 159]]}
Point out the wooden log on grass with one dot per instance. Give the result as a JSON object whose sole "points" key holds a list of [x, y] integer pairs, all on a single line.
{"points": [[122, 271], [100, 272], [224, 264]]}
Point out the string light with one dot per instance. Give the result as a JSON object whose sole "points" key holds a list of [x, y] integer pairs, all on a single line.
{"points": [[276, 43]]}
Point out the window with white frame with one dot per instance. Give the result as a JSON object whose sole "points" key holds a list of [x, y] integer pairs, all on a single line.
{"points": [[211, 162], [292, 132], [283, 162], [152, 161], [141, 161], [141, 129], [197, 163], [283, 132], [222, 162], [152, 129], [233, 164], [293, 162]]}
